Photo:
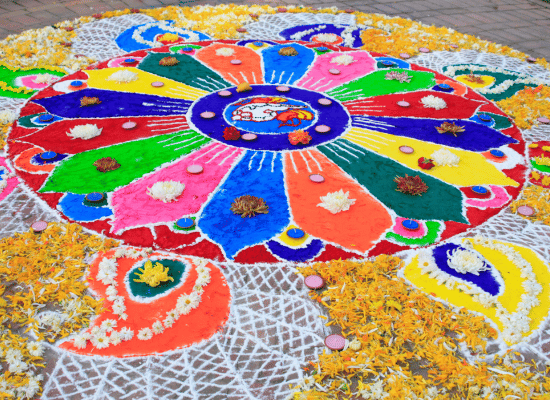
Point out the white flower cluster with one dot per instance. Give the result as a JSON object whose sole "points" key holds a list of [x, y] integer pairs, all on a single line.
{"points": [[327, 37], [225, 51], [27, 391], [336, 202], [375, 391], [163, 25], [123, 76], [84, 132], [433, 102], [444, 157], [7, 117], [465, 262], [344, 59], [45, 78], [503, 86], [301, 34], [166, 191], [107, 274], [4, 178], [515, 324]]}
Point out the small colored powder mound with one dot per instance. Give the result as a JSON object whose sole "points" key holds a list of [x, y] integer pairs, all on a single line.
{"points": [[403, 344], [527, 105], [44, 292], [539, 199], [542, 160]]}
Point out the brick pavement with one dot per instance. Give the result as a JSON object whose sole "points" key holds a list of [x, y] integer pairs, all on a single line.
{"points": [[521, 24]]}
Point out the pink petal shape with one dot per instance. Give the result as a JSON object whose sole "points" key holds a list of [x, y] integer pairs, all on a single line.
{"points": [[320, 79], [134, 207], [499, 197]]}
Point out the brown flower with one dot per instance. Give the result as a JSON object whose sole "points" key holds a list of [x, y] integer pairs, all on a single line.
{"points": [[413, 185], [168, 61], [106, 164], [288, 51], [450, 127], [88, 101], [249, 206]]}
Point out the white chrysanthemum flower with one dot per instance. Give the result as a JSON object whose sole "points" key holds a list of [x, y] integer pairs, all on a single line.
{"points": [[166, 191], [111, 291], [100, 341], [115, 338], [119, 308], [203, 279], [123, 76], [126, 334], [336, 202], [35, 349], [344, 59], [145, 334], [7, 117], [108, 325], [464, 261], [434, 102], [106, 276], [225, 51], [157, 327], [80, 341], [187, 302], [18, 367], [443, 157], [85, 132], [30, 389], [168, 322], [327, 37], [45, 78], [120, 253], [13, 355]]}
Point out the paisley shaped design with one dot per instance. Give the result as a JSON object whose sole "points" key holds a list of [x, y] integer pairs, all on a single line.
{"points": [[190, 303]]}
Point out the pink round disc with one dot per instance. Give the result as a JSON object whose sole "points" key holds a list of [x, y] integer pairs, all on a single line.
{"points": [[404, 55], [208, 115], [283, 89], [157, 84], [316, 178], [314, 282], [224, 93], [334, 71], [543, 120], [526, 211], [249, 137], [236, 62], [531, 59], [281, 9], [335, 342], [39, 226], [349, 11], [195, 169], [403, 103], [424, 50], [241, 30], [129, 125], [406, 149], [322, 129], [325, 102]]}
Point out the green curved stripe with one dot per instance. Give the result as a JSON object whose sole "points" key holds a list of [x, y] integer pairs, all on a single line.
{"points": [[430, 238]]}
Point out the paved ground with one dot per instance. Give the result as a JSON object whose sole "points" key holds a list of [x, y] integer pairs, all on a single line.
{"points": [[522, 24]]}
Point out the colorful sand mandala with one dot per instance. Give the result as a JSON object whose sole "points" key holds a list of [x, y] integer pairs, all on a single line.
{"points": [[358, 110], [221, 165]]}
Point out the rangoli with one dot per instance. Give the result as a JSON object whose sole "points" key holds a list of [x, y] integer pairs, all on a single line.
{"points": [[272, 203]]}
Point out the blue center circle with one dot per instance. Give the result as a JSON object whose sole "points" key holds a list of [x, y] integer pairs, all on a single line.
{"points": [[479, 189], [270, 114]]}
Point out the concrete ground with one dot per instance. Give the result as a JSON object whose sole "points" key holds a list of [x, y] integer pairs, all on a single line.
{"points": [[521, 24]]}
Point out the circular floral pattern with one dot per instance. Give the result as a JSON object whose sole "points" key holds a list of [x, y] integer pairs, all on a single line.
{"points": [[265, 136]]}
